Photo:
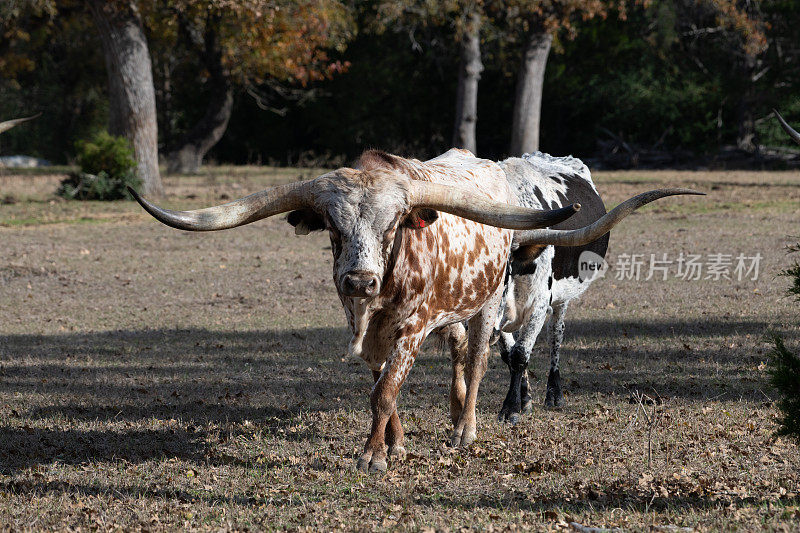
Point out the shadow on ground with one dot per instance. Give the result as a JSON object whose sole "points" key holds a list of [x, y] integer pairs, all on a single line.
{"points": [[200, 377], [608, 497]]}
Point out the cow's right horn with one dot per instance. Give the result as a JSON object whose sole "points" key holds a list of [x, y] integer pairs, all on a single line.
{"points": [[787, 128], [467, 204], [8, 124], [239, 212], [600, 227]]}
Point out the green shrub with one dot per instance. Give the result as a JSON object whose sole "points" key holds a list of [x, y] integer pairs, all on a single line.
{"points": [[785, 377], [793, 272], [107, 169], [785, 371]]}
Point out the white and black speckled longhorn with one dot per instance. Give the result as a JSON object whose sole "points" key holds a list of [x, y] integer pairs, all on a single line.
{"points": [[787, 128], [544, 267]]}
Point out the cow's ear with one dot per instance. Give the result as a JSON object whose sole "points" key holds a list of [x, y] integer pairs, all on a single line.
{"points": [[305, 221], [523, 260], [420, 218]]}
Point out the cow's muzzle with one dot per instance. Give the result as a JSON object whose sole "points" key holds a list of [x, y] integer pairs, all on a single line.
{"points": [[360, 284]]}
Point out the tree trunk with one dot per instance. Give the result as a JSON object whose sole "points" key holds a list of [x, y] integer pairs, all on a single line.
{"points": [[528, 101], [132, 102], [188, 155], [746, 139], [469, 73]]}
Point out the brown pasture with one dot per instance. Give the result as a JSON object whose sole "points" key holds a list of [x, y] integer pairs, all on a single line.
{"points": [[154, 379]]}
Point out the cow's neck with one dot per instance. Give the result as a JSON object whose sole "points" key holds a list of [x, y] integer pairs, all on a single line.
{"points": [[403, 293]]}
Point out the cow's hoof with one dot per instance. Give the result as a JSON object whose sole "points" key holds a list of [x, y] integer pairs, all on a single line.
{"points": [[554, 403], [377, 465], [397, 452], [370, 463], [508, 415], [462, 438], [527, 406], [455, 439]]}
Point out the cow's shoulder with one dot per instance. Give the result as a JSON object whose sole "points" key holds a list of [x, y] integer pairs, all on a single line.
{"points": [[542, 181]]}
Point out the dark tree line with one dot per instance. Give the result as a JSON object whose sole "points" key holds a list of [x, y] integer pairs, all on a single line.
{"points": [[321, 80]]}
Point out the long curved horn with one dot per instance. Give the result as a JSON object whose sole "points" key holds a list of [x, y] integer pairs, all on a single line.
{"points": [[787, 128], [467, 204], [8, 124], [245, 210], [594, 231]]}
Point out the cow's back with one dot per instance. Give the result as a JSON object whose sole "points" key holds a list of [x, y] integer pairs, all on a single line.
{"points": [[542, 181]]}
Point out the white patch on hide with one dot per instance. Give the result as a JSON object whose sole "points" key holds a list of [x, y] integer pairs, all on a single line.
{"points": [[360, 323], [549, 165]]}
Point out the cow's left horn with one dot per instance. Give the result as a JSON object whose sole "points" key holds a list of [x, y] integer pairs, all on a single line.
{"points": [[8, 124], [467, 204], [787, 128], [243, 211], [594, 231]]}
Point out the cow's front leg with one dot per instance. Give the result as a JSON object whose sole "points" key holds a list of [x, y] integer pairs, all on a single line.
{"points": [[511, 354], [383, 400], [394, 430], [517, 359], [525, 395]]}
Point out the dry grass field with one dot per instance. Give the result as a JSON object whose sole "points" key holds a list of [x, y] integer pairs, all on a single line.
{"points": [[154, 379]]}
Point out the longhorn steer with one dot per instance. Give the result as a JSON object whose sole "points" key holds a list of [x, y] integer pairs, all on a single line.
{"points": [[401, 269], [544, 279]]}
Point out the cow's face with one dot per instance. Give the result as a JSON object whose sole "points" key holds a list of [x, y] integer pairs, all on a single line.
{"points": [[365, 213]]}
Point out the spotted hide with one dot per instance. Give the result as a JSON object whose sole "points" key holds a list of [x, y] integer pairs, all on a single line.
{"points": [[544, 279], [443, 273]]}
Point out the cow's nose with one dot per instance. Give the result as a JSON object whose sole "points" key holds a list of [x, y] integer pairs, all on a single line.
{"points": [[360, 284]]}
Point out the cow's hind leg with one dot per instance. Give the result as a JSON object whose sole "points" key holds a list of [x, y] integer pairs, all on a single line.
{"points": [[480, 329], [517, 360], [554, 396], [456, 337]]}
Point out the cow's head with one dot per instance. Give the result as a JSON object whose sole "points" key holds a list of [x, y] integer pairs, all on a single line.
{"points": [[365, 213]]}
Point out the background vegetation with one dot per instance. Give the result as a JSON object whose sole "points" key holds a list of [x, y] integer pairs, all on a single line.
{"points": [[317, 82], [106, 169]]}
